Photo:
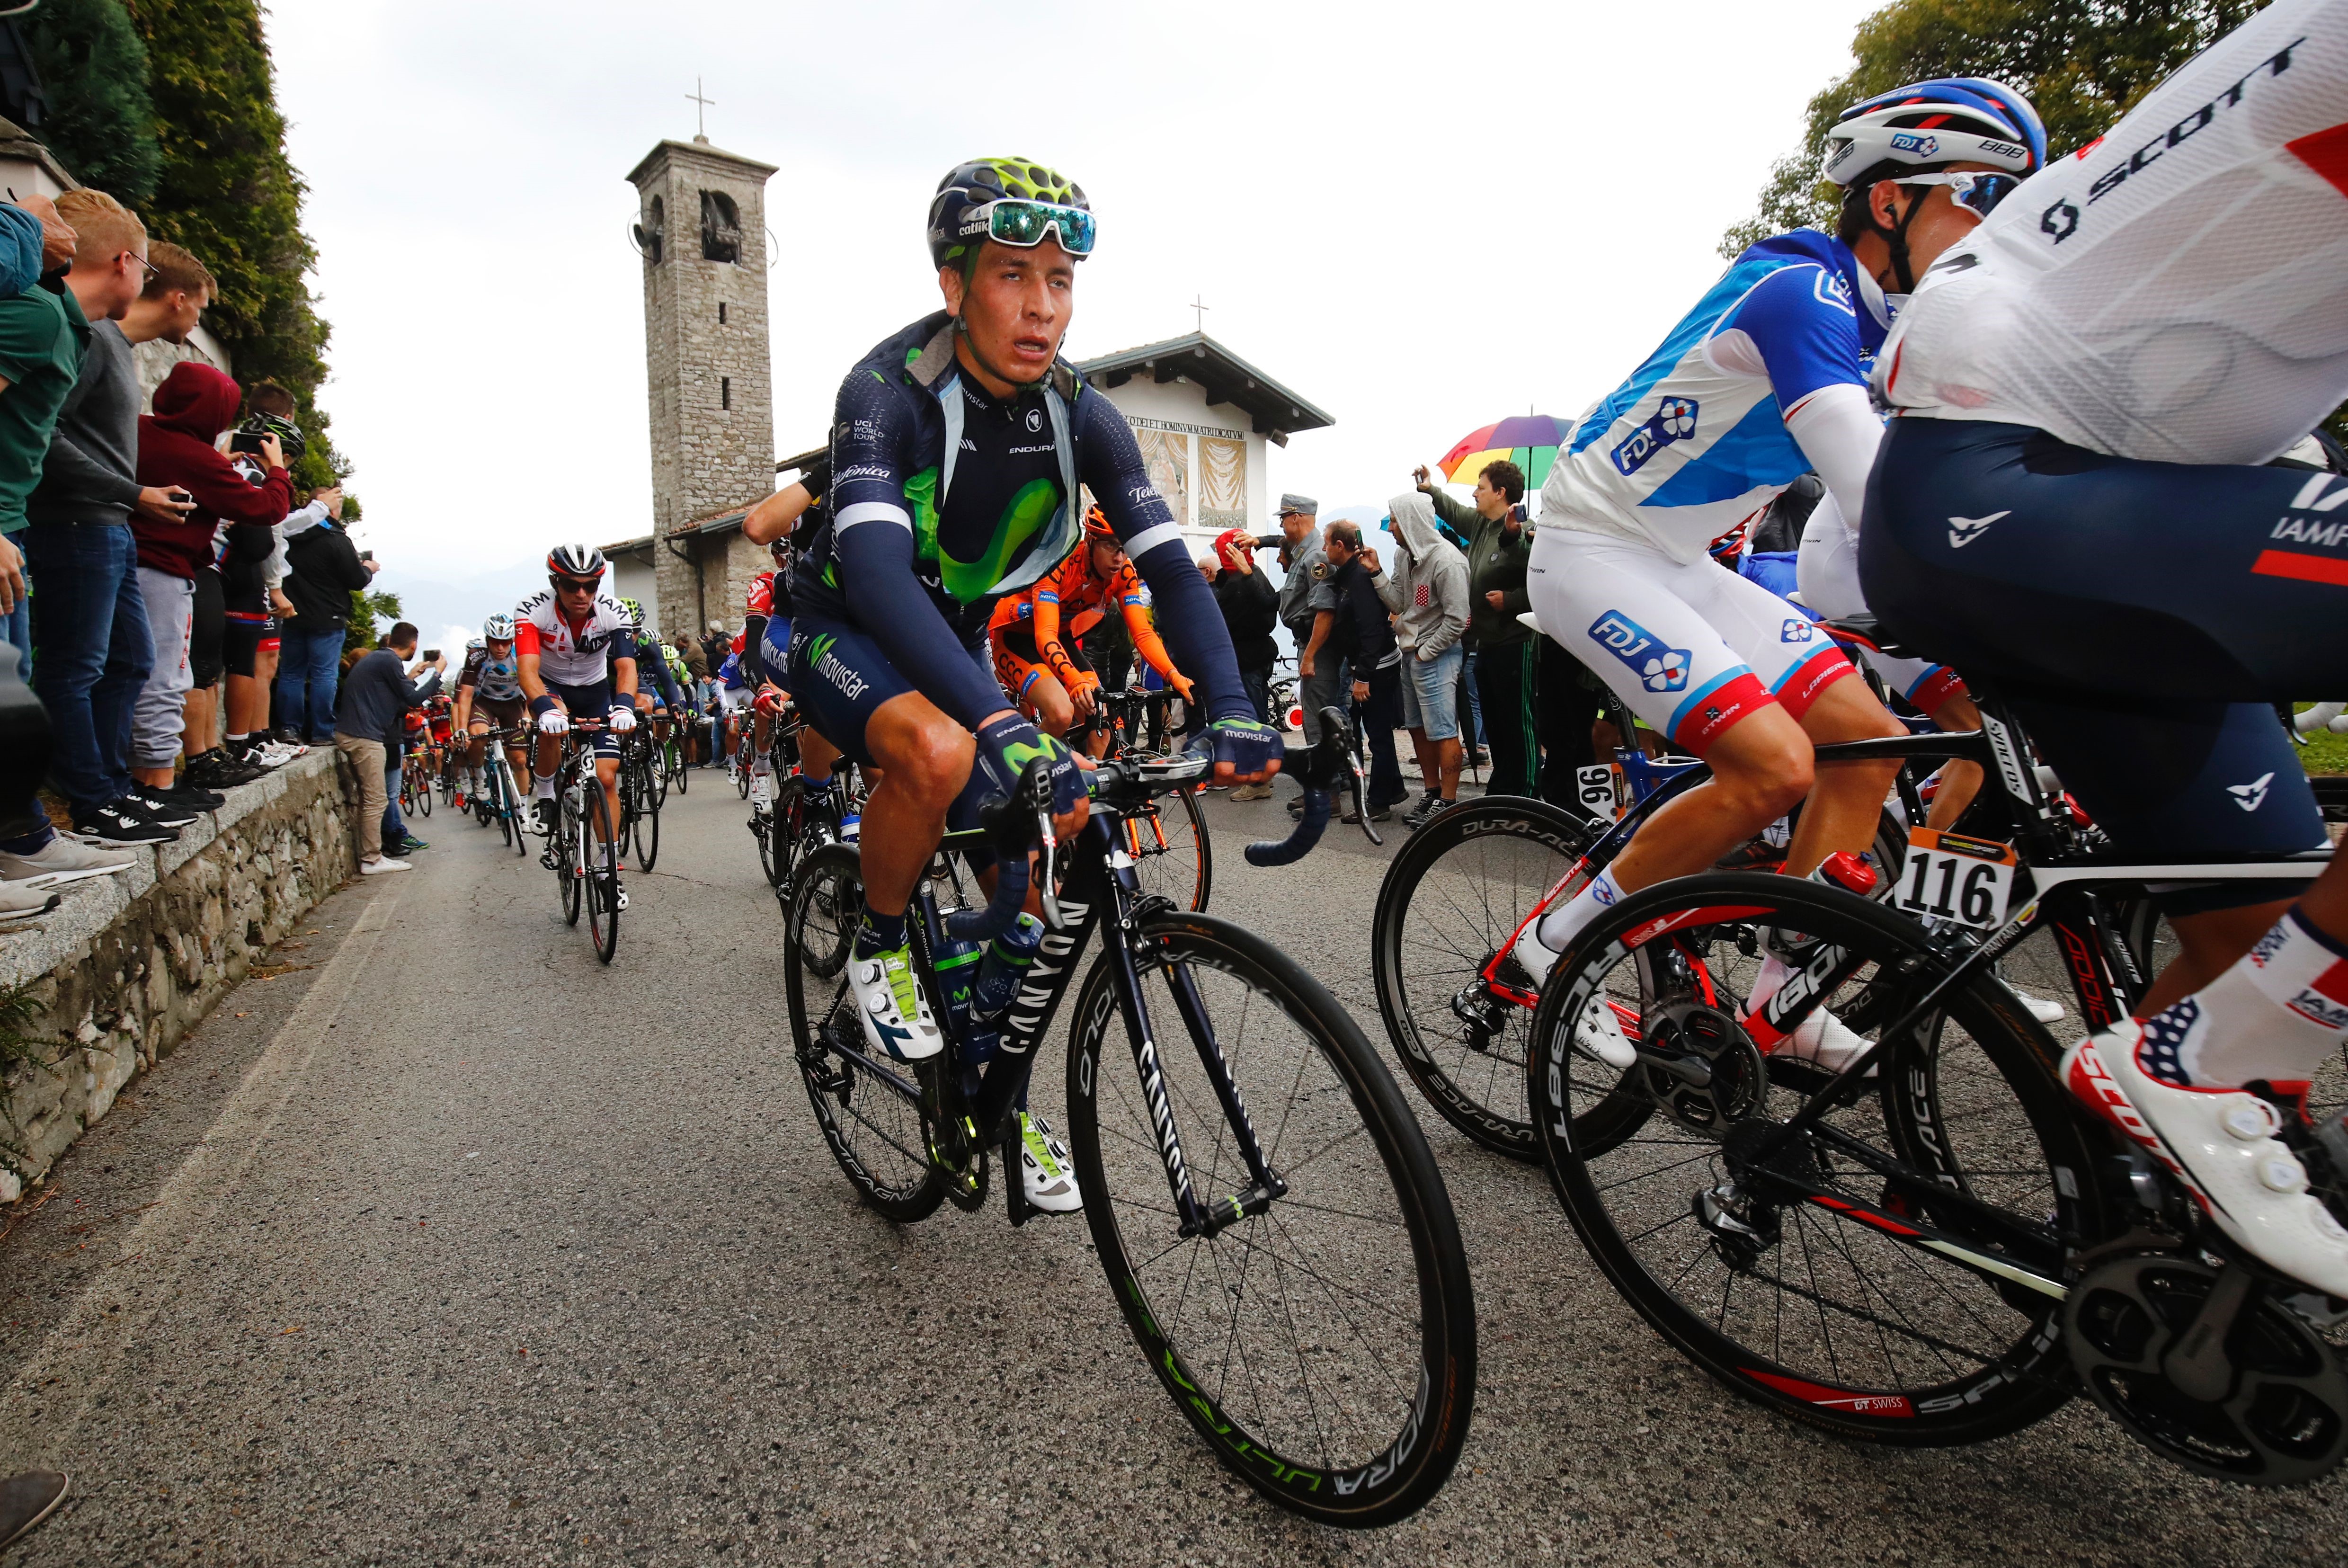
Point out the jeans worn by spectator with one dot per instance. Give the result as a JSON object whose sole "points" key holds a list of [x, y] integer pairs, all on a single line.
{"points": [[95, 652], [309, 668], [1431, 692], [16, 625], [159, 720], [1257, 683], [394, 826], [375, 803]]}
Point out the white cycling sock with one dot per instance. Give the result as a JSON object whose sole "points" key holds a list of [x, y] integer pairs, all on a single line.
{"points": [[2277, 1014], [542, 786], [1560, 926]]}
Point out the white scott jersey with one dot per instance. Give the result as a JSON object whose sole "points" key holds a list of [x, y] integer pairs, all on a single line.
{"points": [[2175, 292], [567, 654], [1695, 441]]}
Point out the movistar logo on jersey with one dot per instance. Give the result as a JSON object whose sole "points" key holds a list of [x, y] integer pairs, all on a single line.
{"points": [[826, 663], [1659, 668], [1672, 420]]}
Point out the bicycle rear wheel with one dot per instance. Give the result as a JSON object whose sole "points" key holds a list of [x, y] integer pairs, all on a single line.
{"points": [[867, 1110], [1326, 1348], [1451, 901], [647, 814], [1792, 1274], [1172, 856], [423, 788], [602, 859]]}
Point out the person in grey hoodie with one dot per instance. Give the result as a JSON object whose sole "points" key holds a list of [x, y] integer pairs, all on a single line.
{"points": [[1427, 590]]}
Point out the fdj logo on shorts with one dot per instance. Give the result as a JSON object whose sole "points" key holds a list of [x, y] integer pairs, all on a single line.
{"points": [[1672, 420], [1659, 668]]}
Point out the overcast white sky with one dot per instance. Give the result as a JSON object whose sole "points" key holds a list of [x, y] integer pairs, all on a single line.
{"points": [[1422, 219]]}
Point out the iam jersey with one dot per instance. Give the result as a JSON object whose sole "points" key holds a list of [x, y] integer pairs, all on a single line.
{"points": [[1695, 441], [983, 484], [570, 655]]}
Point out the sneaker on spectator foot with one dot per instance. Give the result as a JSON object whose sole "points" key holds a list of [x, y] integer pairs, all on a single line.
{"points": [[161, 810], [123, 822], [408, 846], [381, 864], [60, 861], [27, 1498], [22, 900], [216, 769], [1252, 792]]}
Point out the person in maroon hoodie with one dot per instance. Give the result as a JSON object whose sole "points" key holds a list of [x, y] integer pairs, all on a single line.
{"points": [[193, 407]]}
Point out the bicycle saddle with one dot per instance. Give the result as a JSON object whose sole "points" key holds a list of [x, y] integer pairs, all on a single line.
{"points": [[1868, 631]]}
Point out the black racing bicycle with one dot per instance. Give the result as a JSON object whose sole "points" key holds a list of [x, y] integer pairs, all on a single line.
{"points": [[1924, 1238], [583, 850], [640, 793], [1271, 1222]]}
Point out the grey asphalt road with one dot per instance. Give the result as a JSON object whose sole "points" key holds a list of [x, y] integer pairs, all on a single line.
{"points": [[445, 1245]]}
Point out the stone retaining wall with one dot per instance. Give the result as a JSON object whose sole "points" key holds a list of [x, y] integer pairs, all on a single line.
{"points": [[129, 964]]}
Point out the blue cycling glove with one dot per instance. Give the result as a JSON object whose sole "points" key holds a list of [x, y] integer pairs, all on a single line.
{"points": [[1007, 744], [1248, 746]]}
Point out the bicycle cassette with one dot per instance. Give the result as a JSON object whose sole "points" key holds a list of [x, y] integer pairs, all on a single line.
{"points": [[2205, 1366]]}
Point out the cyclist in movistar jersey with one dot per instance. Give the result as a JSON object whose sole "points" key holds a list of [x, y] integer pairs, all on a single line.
{"points": [[1765, 378], [960, 445], [2071, 502]]}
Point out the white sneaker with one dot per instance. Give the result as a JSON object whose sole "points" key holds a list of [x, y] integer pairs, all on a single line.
{"points": [[381, 864], [22, 900], [2221, 1143], [2039, 1008], [1046, 1174], [1599, 1031], [60, 861], [1822, 1039], [890, 1004]]}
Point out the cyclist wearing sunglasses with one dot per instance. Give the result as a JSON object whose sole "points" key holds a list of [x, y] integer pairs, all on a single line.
{"points": [[575, 657], [1763, 380], [959, 448], [2072, 501]]}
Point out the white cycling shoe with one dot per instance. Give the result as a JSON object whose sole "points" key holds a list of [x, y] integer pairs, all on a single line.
{"points": [[1047, 1175], [762, 790], [1599, 1033], [890, 1004], [2220, 1143], [1534, 956], [1821, 1038]]}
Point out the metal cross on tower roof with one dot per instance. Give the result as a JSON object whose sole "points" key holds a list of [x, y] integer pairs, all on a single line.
{"points": [[1198, 304], [701, 105]]}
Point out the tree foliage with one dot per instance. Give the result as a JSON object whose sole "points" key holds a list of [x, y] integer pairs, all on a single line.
{"points": [[100, 122], [228, 193], [2084, 63]]}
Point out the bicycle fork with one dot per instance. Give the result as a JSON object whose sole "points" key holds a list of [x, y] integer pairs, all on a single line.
{"points": [[1197, 1218]]}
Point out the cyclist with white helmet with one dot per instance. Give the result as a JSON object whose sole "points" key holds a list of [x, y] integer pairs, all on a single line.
{"points": [[2072, 502], [489, 695], [1765, 378], [576, 660]]}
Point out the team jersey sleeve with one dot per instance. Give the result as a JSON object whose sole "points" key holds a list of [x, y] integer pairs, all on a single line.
{"points": [[1141, 626], [1186, 608], [1803, 326], [761, 601], [1062, 579], [872, 432]]}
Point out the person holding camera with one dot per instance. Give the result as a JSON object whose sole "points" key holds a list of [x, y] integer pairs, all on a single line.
{"points": [[322, 570]]}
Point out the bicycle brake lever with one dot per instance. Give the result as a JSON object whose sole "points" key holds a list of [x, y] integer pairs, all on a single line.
{"points": [[1044, 889]]}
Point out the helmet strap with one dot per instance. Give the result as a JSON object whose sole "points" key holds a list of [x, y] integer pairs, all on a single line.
{"points": [[1896, 238]]}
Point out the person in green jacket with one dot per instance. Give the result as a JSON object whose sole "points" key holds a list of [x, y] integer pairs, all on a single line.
{"points": [[1498, 546]]}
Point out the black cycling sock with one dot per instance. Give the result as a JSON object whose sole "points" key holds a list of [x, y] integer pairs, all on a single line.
{"points": [[878, 933]]}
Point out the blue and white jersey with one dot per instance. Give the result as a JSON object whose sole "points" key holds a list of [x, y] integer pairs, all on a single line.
{"points": [[1695, 441]]}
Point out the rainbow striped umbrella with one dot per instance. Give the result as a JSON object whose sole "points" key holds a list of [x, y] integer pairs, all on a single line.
{"points": [[1529, 440]]}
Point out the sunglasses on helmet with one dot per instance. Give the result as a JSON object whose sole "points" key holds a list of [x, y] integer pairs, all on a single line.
{"points": [[1977, 191], [1010, 221]]}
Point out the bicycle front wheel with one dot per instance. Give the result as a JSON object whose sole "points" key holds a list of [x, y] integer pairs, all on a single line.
{"points": [[1325, 1346], [1819, 1274], [569, 862], [602, 846], [1451, 902], [647, 814], [1171, 854]]}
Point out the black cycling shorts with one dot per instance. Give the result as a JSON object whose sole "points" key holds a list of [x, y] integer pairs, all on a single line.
{"points": [[2141, 617], [207, 631], [242, 638], [589, 702]]}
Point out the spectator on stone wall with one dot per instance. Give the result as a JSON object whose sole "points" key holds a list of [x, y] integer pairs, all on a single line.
{"points": [[257, 606], [44, 332], [177, 572], [367, 728], [322, 570], [89, 630]]}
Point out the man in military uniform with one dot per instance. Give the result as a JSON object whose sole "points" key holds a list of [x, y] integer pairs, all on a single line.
{"points": [[1307, 606]]}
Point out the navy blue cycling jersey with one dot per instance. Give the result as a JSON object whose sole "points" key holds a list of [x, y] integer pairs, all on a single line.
{"points": [[651, 671], [943, 499]]}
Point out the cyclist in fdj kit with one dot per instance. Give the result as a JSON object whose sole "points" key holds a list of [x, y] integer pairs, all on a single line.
{"points": [[960, 445], [1763, 380], [2066, 505]]}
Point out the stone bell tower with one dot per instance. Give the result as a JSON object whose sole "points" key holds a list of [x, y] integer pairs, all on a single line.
{"points": [[701, 228]]}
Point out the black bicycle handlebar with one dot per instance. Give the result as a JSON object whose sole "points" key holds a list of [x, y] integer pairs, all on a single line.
{"points": [[1319, 768], [1011, 824]]}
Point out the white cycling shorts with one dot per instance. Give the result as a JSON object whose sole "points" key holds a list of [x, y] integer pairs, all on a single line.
{"points": [[736, 700], [1691, 647], [1828, 571]]}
